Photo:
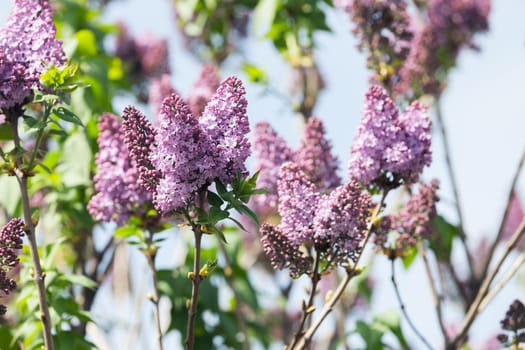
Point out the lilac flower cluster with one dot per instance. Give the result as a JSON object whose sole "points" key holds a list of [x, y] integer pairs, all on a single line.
{"points": [[187, 153], [181, 152], [10, 243], [159, 89], [146, 56], [390, 149], [413, 222], [118, 193], [333, 224], [514, 322], [27, 46], [314, 157], [383, 28]]}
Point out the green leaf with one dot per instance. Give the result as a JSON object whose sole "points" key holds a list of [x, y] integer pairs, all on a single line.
{"points": [[221, 189], [370, 335], [86, 43], [80, 280], [216, 215], [127, 232], [409, 256], [214, 199], [67, 115], [442, 244], [242, 209], [255, 74]]}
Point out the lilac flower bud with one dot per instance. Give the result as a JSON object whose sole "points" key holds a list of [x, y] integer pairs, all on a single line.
{"points": [[315, 157], [514, 322], [203, 89], [298, 201], [341, 222], [225, 123], [390, 149], [182, 154], [139, 137], [270, 152], [118, 193], [10, 243], [282, 252], [27, 45]]}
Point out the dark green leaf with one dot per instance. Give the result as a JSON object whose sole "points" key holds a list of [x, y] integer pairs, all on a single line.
{"points": [[214, 199], [67, 115]]}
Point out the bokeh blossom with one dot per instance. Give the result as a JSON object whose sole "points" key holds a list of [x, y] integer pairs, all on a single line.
{"points": [[10, 244], [390, 148], [119, 194], [203, 89], [159, 89], [27, 46]]}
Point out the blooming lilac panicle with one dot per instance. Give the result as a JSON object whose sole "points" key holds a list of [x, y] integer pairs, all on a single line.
{"points": [[10, 243], [28, 44], [514, 322], [298, 200], [182, 154], [341, 222], [139, 137], [282, 252], [118, 194], [159, 89], [390, 149], [225, 122], [270, 152], [203, 89], [315, 157]]}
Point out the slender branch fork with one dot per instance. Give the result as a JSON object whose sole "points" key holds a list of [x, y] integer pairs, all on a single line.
{"points": [[484, 289], [453, 182], [351, 271], [39, 275], [196, 281], [403, 308]]}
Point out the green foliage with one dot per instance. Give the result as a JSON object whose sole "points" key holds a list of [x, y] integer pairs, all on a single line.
{"points": [[373, 332], [443, 241]]}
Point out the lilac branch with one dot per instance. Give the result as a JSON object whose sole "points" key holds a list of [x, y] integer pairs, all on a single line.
{"points": [[150, 254], [196, 279], [39, 275], [482, 292]]}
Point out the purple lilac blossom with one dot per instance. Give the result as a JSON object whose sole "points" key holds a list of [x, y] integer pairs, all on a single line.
{"points": [[203, 89], [182, 153], [384, 30], [451, 26], [139, 137], [225, 123], [390, 149], [118, 193], [298, 201], [159, 89], [10, 243], [270, 152], [282, 252], [514, 322], [341, 222], [27, 46], [315, 157]]}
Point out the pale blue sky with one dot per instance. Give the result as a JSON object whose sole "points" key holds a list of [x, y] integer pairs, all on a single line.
{"points": [[483, 108]]}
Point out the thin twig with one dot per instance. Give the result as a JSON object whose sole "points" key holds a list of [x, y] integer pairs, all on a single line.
{"points": [[39, 275], [196, 281], [231, 283], [453, 182], [351, 271], [403, 308], [308, 308], [474, 308], [501, 228], [520, 260], [435, 295], [151, 253]]}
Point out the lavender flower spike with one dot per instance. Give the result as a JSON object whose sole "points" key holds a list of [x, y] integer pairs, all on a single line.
{"points": [[315, 157], [298, 200], [27, 44], [118, 193], [341, 222], [10, 242], [270, 152], [389, 149], [225, 122], [139, 136], [182, 154]]}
